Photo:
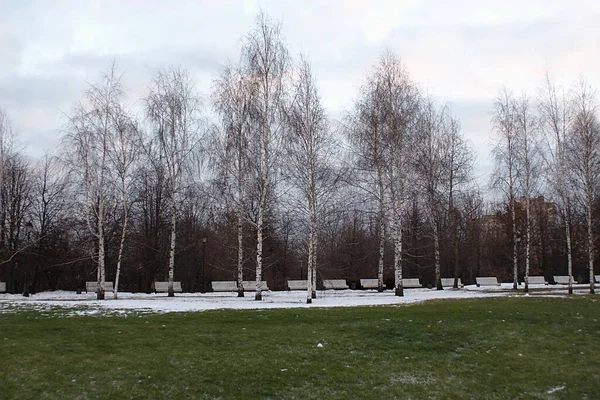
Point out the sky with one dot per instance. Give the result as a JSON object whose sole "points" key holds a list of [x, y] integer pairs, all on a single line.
{"points": [[462, 52]]}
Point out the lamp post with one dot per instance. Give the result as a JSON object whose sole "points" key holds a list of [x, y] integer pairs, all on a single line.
{"points": [[28, 229], [203, 287]]}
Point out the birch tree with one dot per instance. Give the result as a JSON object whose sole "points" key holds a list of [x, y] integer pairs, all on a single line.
{"points": [[458, 164], [526, 130], [267, 60], [400, 109], [367, 139], [506, 152], [555, 121], [232, 95], [584, 153], [310, 152], [87, 143], [124, 149], [429, 167], [173, 109]]}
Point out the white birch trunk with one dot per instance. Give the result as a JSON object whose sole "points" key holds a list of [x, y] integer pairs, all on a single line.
{"points": [[397, 238], [122, 243], [240, 255], [590, 241], [436, 244], [515, 254], [381, 230], [171, 292], [314, 271], [528, 235], [101, 260]]}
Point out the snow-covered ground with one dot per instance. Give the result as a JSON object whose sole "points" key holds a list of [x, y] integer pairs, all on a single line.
{"points": [[86, 303]]}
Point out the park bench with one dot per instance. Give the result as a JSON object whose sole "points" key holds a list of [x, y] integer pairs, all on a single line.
{"points": [[408, 283], [449, 282], [562, 280], [224, 286], [163, 287], [250, 286], [370, 283], [487, 281], [92, 286], [537, 280], [337, 284], [2, 287], [301, 284]]}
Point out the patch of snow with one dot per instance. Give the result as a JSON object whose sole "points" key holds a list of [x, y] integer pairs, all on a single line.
{"points": [[555, 389], [139, 303]]}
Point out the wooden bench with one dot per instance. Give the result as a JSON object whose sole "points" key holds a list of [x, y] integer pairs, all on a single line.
{"points": [[337, 284], [487, 281], [2, 287], [370, 283], [163, 287], [408, 283], [537, 280], [301, 284], [224, 286], [250, 286], [449, 282], [563, 280], [92, 286]]}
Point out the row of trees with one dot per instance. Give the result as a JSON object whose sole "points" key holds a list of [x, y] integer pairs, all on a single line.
{"points": [[550, 144], [269, 189]]}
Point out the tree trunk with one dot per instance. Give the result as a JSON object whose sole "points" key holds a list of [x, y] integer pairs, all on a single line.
{"points": [[122, 244], [397, 233], [240, 255], [101, 265], [436, 243], [171, 292]]}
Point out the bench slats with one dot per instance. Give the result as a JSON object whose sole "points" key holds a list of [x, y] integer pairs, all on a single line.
{"points": [[92, 286], [449, 282], [369, 283], [411, 283], [301, 284], [163, 287], [537, 280], [563, 280], [250, 286], [487, 281], [224, 286], [337, 284]]}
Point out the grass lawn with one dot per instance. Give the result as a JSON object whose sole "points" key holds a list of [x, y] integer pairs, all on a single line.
{"points": [[502, 348]]}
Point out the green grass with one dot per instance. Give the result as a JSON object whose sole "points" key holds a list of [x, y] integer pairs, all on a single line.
{"points": [[502, 348]]}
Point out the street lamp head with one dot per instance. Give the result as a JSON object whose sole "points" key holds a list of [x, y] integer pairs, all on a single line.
{"points": [[203, 240]]}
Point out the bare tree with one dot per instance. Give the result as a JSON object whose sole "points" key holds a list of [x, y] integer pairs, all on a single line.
{"points": [[506, 152], [458, 164], [233, 101], [555, 121], [310, 148], [173, 109], [124, 149], [400, 104], [87, 144], [527, 127], [584, 155], [267, 60], [366, 134]]}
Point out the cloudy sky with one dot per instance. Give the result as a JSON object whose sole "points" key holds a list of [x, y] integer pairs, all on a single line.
{"points": [[462, 51]]}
